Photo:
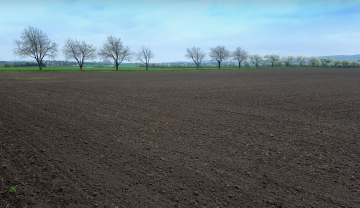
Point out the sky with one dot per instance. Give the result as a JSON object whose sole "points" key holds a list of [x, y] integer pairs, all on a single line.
{"points": [[168, 27]]}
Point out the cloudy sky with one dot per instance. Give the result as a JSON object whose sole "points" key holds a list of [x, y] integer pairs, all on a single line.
{"points": [[168, 27]]}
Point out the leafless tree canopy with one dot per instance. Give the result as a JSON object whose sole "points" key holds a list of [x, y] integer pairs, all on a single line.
{"points": [[355, 64], [78, 50], [36, 44], [114, 48], [313, 61], [240, 55], [301, 60], [144, 55], [337, 62], [219, 53], [272, 58], [287, 60], [345, 63], [255, 59], [325, 61], [196, 55]]}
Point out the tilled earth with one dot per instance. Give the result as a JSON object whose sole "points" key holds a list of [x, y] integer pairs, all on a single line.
{"points": [[230, 138]]}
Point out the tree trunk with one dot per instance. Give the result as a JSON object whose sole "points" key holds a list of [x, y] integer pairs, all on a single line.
{"points": [[239, 64], [39, 64], [81, 67], [219, 64], [272, 64], [117, 66], [147, 66], [197, 65]]}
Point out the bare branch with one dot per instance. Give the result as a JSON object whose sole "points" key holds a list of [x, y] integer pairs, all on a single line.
{"points": [[255, 59], [35, 43], [196, 55], [78, 50], [126, 54], [272, 58], [355, 64], [337, 62], [301, 60], [287, 60], [114, 48], [313, 61], [325, 61], [240, 55], [144, 55], [219, 53]]}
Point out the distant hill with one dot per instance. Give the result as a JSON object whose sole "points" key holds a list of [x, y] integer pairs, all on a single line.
{"points": [[342, 57]]}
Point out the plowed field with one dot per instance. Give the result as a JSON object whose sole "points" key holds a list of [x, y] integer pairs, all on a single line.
{"points": [[232, 138]]}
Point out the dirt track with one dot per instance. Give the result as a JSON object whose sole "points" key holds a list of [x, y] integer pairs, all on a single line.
{"points": [[256, 138]]}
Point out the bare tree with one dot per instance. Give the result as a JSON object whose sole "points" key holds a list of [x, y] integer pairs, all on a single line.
{"points": [[219, 53], [272, 58], [36, 44], [144, 55], [78, 50], [301, 60], [114, 48], [255, 59], [325, 61], [313, 61], [196, 55], [355, 64], [345, 63], [240, 55], [287, 60], [337, 62]]}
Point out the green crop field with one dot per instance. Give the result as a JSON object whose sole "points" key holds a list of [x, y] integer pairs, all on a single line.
{"points": [[67, 69], [104, 69]]}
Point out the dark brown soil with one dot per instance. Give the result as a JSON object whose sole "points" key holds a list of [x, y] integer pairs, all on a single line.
{"points": [[239, 138]]}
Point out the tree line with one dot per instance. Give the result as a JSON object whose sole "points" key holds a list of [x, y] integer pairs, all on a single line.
{"points": [[35, 43], [220, 53]]}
